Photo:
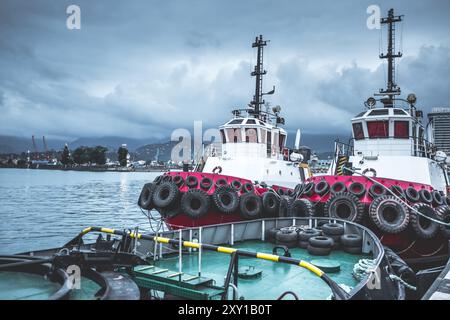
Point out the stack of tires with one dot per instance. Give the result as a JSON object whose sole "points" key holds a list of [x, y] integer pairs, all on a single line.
{"points": [[351, 243], [320, 245], [306, 234], [333, 231], [287, 237]]}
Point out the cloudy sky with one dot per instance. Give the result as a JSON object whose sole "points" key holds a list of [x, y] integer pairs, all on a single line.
{"points": [[144, 68]]}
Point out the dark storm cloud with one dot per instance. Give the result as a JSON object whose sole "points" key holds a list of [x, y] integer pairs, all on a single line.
{"points": [[143, 68]]}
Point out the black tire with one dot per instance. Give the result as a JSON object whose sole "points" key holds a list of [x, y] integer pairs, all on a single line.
{"points": [[251, 206], [398, 191], [221, 182], [286, 237], [447, 200], [389, 214], [352, 250], [318, 251], [271, 234], [290, 192], [299, 189], [284, 207], [309, 189], [351, 240], [195, 203], [306, 234], [301, 208], [157, 180], [248, 187], [321, 242], [412, 194], [225, 199], [425, 196], [357, 189], [145, 200], [320, 224], [322, 188], [438, 199], [280, 192], [333, 229], [421, 226], [443, 213], [236, 185], [206, 183], [191, 181], [165, 195], [338, 187], [271, 204], [346, 206], [178, 180], [377, 190], [166, 178]]}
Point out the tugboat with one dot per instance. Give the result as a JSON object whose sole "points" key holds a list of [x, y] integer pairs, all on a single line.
{"points": [[230, 183], [389, 176]]}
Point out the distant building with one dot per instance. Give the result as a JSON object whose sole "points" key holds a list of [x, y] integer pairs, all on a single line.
{"points": [[440, 123]]}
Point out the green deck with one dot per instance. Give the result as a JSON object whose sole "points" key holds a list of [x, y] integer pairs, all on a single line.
{"points": [[276, 278]]}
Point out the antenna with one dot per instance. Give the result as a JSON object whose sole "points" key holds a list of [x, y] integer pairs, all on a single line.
{"points": [[258, 72], [391, 87]]}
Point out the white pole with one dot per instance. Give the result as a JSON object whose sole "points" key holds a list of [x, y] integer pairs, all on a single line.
{"points": [[200, 252]]}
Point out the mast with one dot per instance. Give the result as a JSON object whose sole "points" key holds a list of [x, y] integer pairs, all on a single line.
{"points": [[391, 87], [258, 72]]}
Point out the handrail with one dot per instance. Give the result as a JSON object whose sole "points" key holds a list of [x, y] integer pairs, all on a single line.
{"points": [[337, 291]]}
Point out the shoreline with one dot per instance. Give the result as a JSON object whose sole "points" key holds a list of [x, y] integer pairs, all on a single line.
{"points": [[87, 168]]}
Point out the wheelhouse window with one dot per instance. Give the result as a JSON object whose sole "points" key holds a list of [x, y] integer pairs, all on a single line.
{"points": [[222, 135], [234, 135], [358, 132], [251, 135], [378, 129], [401, 129], [282, 140]]}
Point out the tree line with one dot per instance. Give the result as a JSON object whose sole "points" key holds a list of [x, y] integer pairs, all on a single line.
{"points": [[90, 155]]}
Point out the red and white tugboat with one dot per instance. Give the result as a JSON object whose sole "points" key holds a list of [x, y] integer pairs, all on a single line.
{"points": [[389, 176], [229, 182]]}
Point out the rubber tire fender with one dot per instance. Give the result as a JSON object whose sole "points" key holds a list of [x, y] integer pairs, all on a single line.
{"points": [[206, 183], [191, 181], [443, 213], [305, 235], [358, 186], [351, 240], [321, 242], [398, 191], [284, 207], [355, 208], [302, 208], [309, 189], [412, 194], [226, 199], [322, 188], [178, 180], [286, 236], [425, 196], [255, 203], [431, 229], [196, 197], [377, 211], [377, 190], [333, 229], [271, 203], [165, 194], [145, 200], [236, 185], [248, 187], [438, 199], [221, 182], [271, 234], [280, 192], [338, 186]]}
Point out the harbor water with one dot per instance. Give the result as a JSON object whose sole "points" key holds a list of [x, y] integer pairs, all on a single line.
{"points": [[45, 208]]}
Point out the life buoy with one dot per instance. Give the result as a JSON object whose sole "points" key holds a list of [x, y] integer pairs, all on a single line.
{"points": [[217, 168], [369, 170]]}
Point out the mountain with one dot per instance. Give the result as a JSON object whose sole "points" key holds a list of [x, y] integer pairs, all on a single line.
{"points": [[12, 144], [160, 151], [320, 143]]}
